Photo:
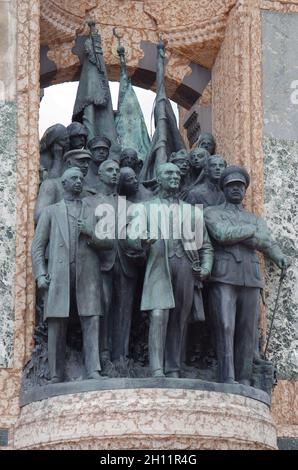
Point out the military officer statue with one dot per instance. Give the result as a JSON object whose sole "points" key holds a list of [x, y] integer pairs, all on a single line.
{"points": [[235, 279]]}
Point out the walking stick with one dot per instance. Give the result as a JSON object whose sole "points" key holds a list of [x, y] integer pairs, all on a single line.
{"points": [[281, 278]]}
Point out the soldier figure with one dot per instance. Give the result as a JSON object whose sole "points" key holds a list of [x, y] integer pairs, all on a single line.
{"points": [[72, 279], [236, 279], [99, 148]]}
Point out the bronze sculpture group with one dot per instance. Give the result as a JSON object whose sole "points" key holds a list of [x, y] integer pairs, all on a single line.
{"points": [[86, 168]]}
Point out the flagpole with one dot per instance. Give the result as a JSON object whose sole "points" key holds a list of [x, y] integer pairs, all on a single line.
{"points": [[160, 107], [124, 81]]}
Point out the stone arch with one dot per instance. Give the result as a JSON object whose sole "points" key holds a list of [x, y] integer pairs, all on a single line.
{"points": [[193, 34]]}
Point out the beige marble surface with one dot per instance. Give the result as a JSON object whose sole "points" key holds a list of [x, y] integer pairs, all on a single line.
{"points": [[146, 419]]}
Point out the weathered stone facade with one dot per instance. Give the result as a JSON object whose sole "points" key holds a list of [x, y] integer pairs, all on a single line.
{"points": [[222, 38]]}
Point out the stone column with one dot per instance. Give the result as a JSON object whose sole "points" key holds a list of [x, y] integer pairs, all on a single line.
{"points": [[237, 99], [19, 102], [7, 177], [254, 98]]}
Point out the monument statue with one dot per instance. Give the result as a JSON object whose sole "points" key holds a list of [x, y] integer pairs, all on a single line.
{"points": [[209, 193], [54, 143], [181, 159], [72, 278], [129, 157], [118, 271], [170, 279], [93, 105], [205, 191], [197, 159], [51, 190], [114, 283], [100, 149], [235, 281], [130, 187], [207, 141], [77, 136], [115, 152]]}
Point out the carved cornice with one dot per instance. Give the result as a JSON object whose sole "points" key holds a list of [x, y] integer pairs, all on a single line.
{"points": [[201, 42], [192, 28], [171, 15], [61, 20]]}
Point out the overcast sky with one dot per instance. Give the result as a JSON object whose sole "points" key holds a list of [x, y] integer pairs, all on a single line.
{"points": [[58, 101]]}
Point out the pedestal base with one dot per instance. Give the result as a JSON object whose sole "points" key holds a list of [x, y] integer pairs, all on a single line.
{"points": [[146, 419]]}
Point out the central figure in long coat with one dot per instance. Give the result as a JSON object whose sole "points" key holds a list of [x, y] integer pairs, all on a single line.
{"points": [[174, 272]]}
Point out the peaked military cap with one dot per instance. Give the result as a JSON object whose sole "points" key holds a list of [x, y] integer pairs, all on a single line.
{"points": [[99, 142], [77, 154], [234, 173]]}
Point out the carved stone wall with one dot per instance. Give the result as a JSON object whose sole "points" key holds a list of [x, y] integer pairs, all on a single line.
{"points": [[224, 35], [192, 30]]}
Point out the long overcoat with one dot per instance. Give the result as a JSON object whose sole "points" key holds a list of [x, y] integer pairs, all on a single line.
{"points": [[158, 290], [53, 230]]}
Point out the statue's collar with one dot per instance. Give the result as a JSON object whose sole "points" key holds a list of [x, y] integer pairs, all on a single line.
{"points": [[213, 186], [72, 198], [109, 191], [168, 196], [234, 207]]}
